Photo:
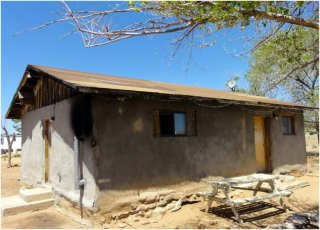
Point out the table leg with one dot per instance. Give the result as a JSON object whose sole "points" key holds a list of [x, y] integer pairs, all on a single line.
{"points": [[210, 198], [272, 184], [226, 191], [257, 188], [236, 214], [209, 203], [283, 205]]}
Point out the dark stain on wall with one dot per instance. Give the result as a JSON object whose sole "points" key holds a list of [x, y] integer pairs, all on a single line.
{"points": [[81, 116]]}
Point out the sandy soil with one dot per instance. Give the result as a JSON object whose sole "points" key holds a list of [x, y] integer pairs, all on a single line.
{"points": [[49, 218], [43, 219], [10, 177], [258, 215], [312, 143]]}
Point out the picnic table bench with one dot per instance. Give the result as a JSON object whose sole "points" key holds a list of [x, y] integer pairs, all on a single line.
{"points": [[227, 184]]}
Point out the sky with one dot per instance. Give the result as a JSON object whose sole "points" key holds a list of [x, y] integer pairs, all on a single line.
{"points": [[144, 58]]}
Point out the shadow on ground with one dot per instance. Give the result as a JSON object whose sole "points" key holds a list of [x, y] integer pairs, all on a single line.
{"points": [[225, 211]]}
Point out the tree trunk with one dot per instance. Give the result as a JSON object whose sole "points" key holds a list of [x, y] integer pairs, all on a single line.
{"points": [[10, 142]]}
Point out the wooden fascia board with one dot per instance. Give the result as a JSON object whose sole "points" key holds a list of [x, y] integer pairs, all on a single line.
{"points": [[84, 89], [29, 69], [15, 96]]}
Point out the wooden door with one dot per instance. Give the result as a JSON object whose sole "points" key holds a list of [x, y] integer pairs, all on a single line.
{"points": [[260, 144], [47, 147]]}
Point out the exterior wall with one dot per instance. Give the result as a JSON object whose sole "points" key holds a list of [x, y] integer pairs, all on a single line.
{"points": [[287, 149], [61, 154], [129, 156], [122, 159]]}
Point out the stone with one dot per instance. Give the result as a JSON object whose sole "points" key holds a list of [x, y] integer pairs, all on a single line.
{"points": [[162, 203], [141, 213], [122, 225], [134, 206], [294, 170], [150, 206], [144, 222], [135, 218], [177, 206], [102, 219], [159, 211], [147, 214]]}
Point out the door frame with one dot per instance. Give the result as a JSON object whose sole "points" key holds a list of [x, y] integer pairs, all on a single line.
{"points": [[47, 149]]}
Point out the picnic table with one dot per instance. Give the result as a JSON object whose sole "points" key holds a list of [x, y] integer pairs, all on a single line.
{"points": [[225, 185]]}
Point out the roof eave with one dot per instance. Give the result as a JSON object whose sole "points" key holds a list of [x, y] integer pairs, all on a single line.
{"points": [[28, 69], [84, 89]]}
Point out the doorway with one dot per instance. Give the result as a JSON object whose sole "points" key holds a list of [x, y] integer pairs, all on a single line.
{"points": [[47, 148], [260, 144]]}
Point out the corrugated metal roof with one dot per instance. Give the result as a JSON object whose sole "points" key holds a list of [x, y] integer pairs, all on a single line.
{"points": [[80, 80]]}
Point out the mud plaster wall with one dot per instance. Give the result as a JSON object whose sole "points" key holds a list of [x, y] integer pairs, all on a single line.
{"points": [[130, 157], [61, 154], [287, 149]]}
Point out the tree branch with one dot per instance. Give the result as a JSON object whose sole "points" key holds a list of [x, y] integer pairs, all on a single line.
{"points": [[282, 18]]}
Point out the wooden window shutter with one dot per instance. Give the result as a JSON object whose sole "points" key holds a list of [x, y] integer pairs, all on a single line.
{"points": [[192, 123], [156, 123]]}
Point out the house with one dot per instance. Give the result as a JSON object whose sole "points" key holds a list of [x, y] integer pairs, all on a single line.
{"points": [[103, 140], [16, 144]]}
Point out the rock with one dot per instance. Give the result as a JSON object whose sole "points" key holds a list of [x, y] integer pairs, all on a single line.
{"points": [[122, 225], [135, 218], [162, 203], [158, 211], [102, 219], [148, 197], [144, 222], [298, 221], [147, 214], [177, 206], [134, 206], [150, 206], [141, 213], [294, 170]]}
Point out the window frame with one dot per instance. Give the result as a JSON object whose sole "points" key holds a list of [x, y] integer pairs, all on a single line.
{"points": [[162, 112], [291, 118]]}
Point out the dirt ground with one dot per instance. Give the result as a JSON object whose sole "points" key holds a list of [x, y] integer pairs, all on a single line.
{"points": [[311, 143], [258, 215], [10, 178], [49, 218]]}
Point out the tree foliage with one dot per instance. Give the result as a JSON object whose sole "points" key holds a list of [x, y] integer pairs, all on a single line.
{"points": [[17, 126], [185, 17], [288, 64]]}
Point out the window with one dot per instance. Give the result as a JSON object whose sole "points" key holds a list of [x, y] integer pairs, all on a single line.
{"points": [[287, 125], [171, 123]]}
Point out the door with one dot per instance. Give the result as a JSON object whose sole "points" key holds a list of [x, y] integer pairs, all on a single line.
{"points": [[260, 144], [47, 147]]}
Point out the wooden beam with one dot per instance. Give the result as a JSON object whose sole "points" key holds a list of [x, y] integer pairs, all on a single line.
{"points": [[25, 94], [27, 101]]}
